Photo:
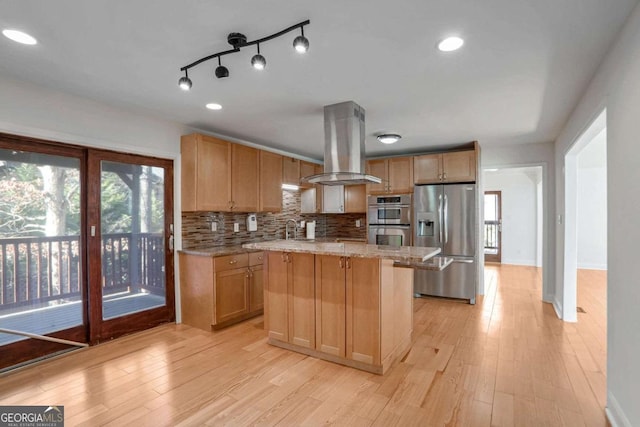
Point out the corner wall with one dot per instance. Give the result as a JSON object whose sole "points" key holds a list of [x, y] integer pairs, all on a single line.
{"points": [[616, 87]]}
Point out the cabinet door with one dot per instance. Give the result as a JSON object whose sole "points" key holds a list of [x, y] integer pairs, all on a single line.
{"points": [[319, 189], [244, 172], [276, 321], [270, 182], [290, 171], [333, 199], [459, 166], [363, 310], [355, 198], [214, 166], [330, 304], [231, 294], [301, 300], [256, 288], [307, 169], [378, 168], [427, 169], [400, 173]]}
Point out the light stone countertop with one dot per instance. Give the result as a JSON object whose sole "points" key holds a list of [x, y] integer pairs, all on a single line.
{"points": [[350, 249], [218, 251]]}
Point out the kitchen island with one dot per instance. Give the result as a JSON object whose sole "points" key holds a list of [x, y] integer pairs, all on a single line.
{"points": [[340, 301]]}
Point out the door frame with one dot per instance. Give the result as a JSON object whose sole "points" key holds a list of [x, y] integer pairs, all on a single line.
{"points": [[496, 258], [99, 329]]}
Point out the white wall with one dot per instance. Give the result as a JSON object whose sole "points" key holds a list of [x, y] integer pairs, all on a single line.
{"points": [[616, 87], [541, 154], [592, 204], [519, 214]]}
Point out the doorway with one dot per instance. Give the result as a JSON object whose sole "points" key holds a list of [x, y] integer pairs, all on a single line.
{"points": [[585, 223], [84, 246], [493, 226]]}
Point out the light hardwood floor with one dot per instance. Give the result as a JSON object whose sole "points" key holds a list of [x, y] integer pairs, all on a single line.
{"points": [[506, 361]]}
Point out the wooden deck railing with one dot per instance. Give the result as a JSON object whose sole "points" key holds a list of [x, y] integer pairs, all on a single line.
{"points": [[36, 270], [491, 234]]}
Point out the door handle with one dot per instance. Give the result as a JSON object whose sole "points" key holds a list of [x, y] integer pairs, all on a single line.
{"points": [[446, 221], [440, 223]]}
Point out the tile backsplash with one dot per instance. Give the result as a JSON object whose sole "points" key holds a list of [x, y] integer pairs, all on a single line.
{"points": [[197, 234]]}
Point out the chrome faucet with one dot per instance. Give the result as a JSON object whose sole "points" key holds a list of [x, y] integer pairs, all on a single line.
{"points": [[295, 229]]}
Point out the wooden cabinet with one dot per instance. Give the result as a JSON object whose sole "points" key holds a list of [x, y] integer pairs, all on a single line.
{"points": [[217, 292], [330, 304], [396, 174], [456, 166], [270, 199], [221, 176], [344, 199], [307, 169], [290, 171], [244, 178], [290, 298], [311, 197], [205, 160]]}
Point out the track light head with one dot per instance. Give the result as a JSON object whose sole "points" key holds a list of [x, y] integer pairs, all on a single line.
{"points": [[222, 71], [301, 44], [258, 62], [185, 83]]}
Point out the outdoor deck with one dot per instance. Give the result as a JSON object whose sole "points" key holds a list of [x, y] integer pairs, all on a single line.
{"points": [[53, 318]]}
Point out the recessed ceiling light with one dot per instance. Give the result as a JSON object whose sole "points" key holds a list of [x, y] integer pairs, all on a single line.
{"points": [[214, 106], [450, 44], [19, 36], [389, 138]]}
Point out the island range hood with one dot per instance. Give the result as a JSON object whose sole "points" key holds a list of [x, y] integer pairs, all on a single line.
{"points": [[344, 159]]}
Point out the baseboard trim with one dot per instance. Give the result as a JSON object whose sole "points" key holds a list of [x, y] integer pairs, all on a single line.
{"points": [[527, 262], [615, 415]]}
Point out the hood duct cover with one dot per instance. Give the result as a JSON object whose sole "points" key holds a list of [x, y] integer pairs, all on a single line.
{"points": [[343, 147]]}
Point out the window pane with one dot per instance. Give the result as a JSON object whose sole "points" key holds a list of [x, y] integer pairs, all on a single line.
{"points": [[132, 227], [490, 207], [40, 262]]}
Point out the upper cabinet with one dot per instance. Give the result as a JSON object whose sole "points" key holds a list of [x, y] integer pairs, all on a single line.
{"points": [[225, 177], [307, 169], [270, 182], [457, 166], [290, 171], [396, 174]]}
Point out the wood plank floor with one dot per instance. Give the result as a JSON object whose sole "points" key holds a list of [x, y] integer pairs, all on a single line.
{"points": [[506, 361]]}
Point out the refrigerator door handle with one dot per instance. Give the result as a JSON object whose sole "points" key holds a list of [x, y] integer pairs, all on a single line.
{"points": [[440, 215], [446, 222]]}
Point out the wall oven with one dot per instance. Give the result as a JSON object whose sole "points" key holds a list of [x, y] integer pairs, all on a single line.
{"points": [[389, 220]]}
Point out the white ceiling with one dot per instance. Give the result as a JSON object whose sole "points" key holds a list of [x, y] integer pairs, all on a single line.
{"points": [[517, 78]]}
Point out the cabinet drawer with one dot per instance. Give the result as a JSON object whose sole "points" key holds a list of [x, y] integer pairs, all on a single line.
{"points": [[256, 258], [230, 262]]}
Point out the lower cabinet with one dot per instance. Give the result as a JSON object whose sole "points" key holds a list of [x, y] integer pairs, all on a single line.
{"points": [[219, 291], [350, 310]]}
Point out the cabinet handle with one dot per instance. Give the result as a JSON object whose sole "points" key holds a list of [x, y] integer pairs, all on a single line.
{"points": [[233, 261], [341, 262], [260, 258], [349, 262], [284, 257], [444, 175]]}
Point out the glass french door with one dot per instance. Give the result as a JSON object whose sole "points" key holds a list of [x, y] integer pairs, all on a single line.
{"points": [[42, 249], [130, 239]]}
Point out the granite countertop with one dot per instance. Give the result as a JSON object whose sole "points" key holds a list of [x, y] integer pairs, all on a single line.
{"points": [[350, 249], [218, 251]]}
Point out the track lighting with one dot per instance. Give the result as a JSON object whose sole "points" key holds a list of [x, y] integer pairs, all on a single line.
{"points": [[301, 43], [389, 138], [221, 70], [258, 61], [185, 82], [237, 42]]}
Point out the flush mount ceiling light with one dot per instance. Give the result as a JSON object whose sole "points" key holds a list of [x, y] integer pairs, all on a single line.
{"points": [[450, 44], [389, 138], [214, 106], [19, 36], [238, 41]]}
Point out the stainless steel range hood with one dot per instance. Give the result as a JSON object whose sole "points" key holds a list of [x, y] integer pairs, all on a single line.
{"points": [[343, 147]]}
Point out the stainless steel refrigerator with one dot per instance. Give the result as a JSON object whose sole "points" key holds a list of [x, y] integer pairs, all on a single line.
{"points": [[444, 216]]}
